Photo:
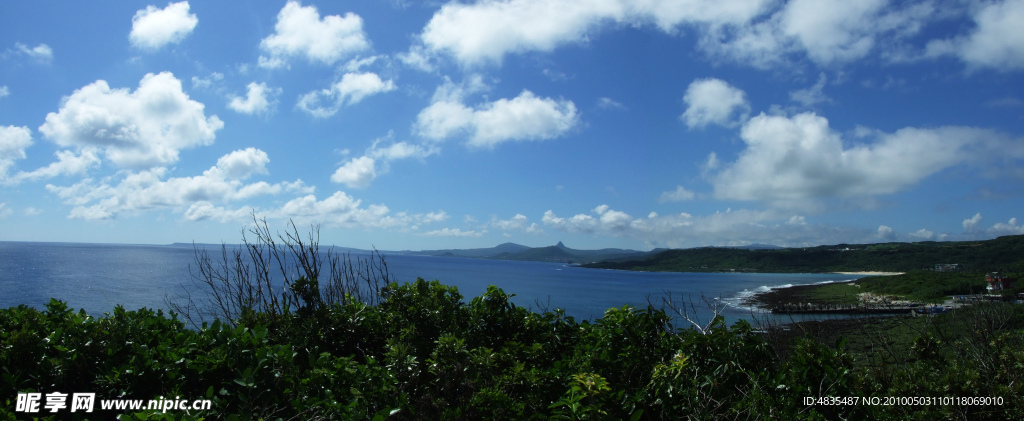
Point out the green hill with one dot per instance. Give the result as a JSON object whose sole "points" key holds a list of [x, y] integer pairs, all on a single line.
{"points": [[1001, 254]]}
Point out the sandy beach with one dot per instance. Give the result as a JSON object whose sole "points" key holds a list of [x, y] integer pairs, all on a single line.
{"points": [[871, 273]]}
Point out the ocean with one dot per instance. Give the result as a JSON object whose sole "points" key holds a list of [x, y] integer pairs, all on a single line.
{"points": [[98, 277]]}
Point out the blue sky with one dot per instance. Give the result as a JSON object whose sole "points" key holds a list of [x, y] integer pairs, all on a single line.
{"points": [[600, 123]]}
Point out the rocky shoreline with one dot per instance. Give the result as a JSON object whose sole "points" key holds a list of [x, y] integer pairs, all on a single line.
{"points": [[802, 299], [780, 297]]}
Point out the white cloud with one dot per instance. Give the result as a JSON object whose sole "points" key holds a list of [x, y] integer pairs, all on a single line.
{"points": [[827, 32], [971, 224], [525, 117], [153, 28], [516, 223], [997, 41], [5, 211], [832, 31], [680, 194], [351, 89], [4, 91], [13, 142], [68, 163], [342, 210], [713, 101], [206, 82], [456, 232], [30, 211], [607, 221], [972, 228], [608, 103], [731, 227], [258, 99], [301, 32], [137, 129], [41, 53], [1009, 228], [417, 58], [800, 157], [203, 210], [149, 190], [885, 233], [813, 95], [242, 164], [484, 32], [357, 172], [923, 234]]}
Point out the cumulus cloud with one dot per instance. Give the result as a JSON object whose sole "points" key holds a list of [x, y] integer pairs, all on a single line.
{"points": [[351, 89], [13, 142], [152, 190], [680, 194], [515, 223], [359, 172], [996, 42], [41, 53], [800, 157], [68, 163], [4, 91], [519, 222], [525, 117], [484, 32], [1009, 228], [153, 28], [728, 228], [973, 223], [972, 228], [342, 210], [885, 233], [826, 32], [761, 33], [300, 32], [923, 234], [144, 128], [259, 99], [713, 101]]}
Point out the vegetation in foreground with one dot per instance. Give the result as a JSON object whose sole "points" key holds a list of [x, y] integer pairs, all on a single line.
{"points": [[354, 347], [424, 353]]}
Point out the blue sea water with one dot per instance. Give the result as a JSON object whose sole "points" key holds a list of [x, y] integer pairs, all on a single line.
{"points": [[98, 277]]}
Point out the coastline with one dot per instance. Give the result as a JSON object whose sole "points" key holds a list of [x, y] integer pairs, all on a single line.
{"points": [[870, 273], [776, 297]]}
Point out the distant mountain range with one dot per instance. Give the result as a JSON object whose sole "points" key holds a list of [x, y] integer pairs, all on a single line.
{"points": [[556, 253]]}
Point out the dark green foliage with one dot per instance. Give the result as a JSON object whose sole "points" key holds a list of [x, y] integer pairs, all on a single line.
{"points": [[425, 353], [925, 285], [1001, 254]]}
